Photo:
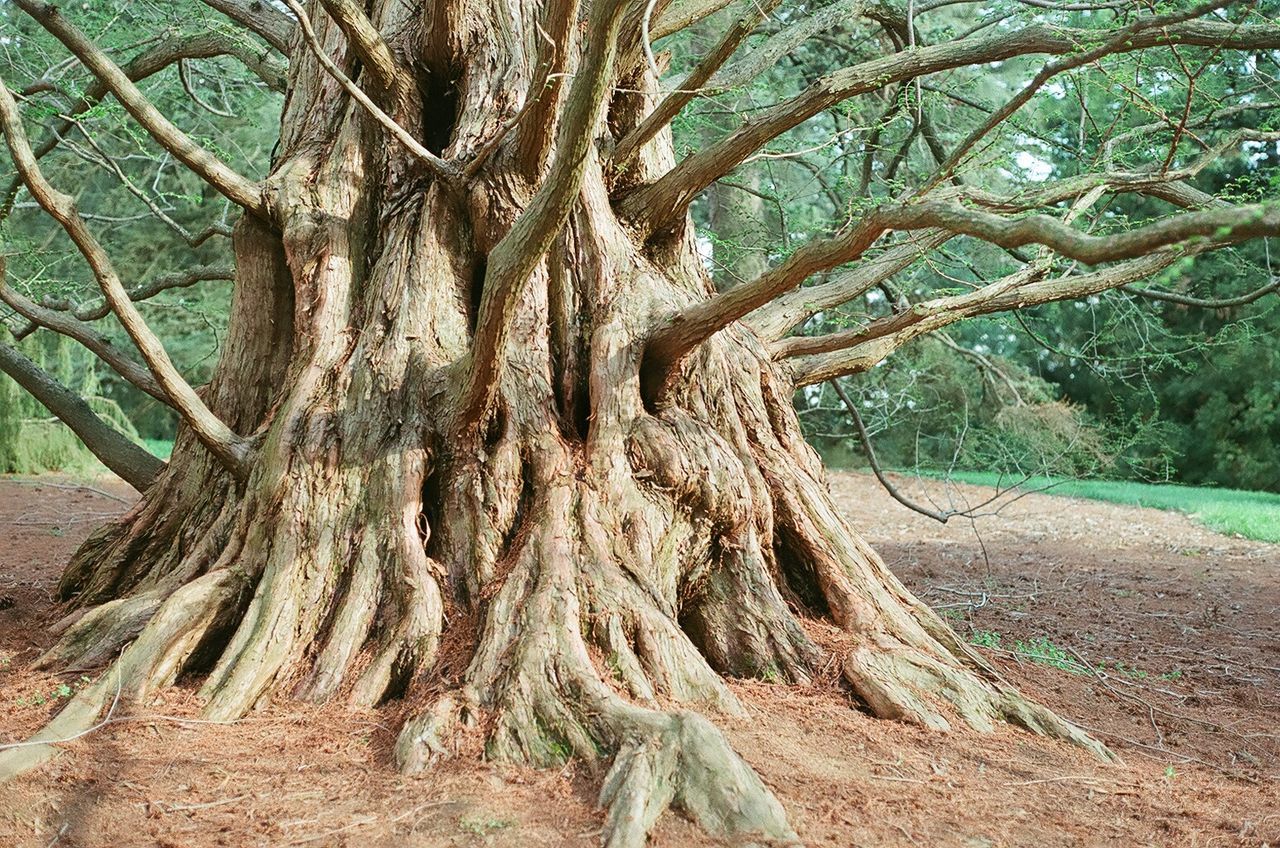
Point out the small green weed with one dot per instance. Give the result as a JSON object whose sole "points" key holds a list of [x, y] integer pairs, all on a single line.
{"points": [[1041, 650], [62, 690], [985, 638], [482, 826]]}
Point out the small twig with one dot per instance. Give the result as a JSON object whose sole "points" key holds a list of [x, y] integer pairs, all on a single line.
{"points": [[180, 808], [1065, 777]]}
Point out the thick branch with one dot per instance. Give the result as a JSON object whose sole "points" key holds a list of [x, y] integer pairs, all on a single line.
{"points": [[1227, 225], [116, 451], [560, 19], [684, 15], [690, 87], [210, 168], [151, 61], [1205, 302], [514, 258], [782, 44], [60, 322], [658, 204], [231, 449], [776, 319], [434, 162], [392, 81], [668, 345], [857, 350], [261, 17]]}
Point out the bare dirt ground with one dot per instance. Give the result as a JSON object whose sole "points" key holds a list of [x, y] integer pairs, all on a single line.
{"points": [[1179, 625]]}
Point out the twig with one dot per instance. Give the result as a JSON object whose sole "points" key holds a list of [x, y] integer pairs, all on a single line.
{"points": [[32, 742], [73, 487]]}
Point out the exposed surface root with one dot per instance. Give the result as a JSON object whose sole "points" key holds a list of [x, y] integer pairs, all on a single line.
{"points": [[909, 665], [164, 647], [681, 760]]}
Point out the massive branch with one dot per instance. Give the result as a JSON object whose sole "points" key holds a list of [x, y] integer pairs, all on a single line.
{"points": [[657, 205], [685, 330], [515, 256], [392, 81], [261, 17]]}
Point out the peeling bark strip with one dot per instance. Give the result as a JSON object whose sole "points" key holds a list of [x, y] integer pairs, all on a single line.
{"points": [[512, 456]]}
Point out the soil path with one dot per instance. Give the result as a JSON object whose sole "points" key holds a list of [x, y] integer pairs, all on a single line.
{"points": [[1178, 624]]}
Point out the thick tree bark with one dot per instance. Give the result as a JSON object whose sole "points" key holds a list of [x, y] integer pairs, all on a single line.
{"points": [[548, 578]]}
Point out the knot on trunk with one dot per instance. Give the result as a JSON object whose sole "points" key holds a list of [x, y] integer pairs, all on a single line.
{"points": [[694, 465]]}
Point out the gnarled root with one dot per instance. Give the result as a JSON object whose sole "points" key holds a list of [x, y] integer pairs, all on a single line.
{"points": [[178, 630], [577, 649], [909, 665], [681, 760]]}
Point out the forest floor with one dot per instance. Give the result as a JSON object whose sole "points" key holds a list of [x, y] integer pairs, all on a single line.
{"points": [[1159, 635]]}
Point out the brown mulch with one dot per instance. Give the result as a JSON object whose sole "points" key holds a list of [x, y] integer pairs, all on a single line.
{"points": [[1178, 624]]}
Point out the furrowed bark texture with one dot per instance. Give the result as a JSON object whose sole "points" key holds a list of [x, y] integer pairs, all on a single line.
{"points": [[579, 578]]}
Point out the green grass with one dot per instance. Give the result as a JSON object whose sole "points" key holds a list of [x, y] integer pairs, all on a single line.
{"points": [[160, 447], [1253, 515]]}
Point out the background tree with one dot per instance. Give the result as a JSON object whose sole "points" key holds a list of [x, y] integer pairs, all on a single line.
{"points": [[485, 434]]}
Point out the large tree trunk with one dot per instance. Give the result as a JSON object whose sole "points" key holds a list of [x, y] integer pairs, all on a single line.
{"points": [[546, 579]]}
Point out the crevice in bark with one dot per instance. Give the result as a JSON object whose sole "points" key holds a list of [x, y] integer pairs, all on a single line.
{"points": [[440, 98], [476, 290], [800, 583]]}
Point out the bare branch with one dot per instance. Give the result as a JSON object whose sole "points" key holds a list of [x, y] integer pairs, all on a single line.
{"points": [[542, 102], [232, 450], [116, 451], [1206, 303], [60, 322], [857, 350], [437, 165], [514, 258], [260, 17], [685, 15], [147, 63], [777, 318], [164, 282], [690, 86], [780, 45], [1113, 44], [391, 79], [657, 205], [874, 461], [210, 168], [101, 309], [1228, 225]]}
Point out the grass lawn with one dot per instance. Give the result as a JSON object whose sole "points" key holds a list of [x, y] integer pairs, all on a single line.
{"points": [[1253, 515], [160, 447]]}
